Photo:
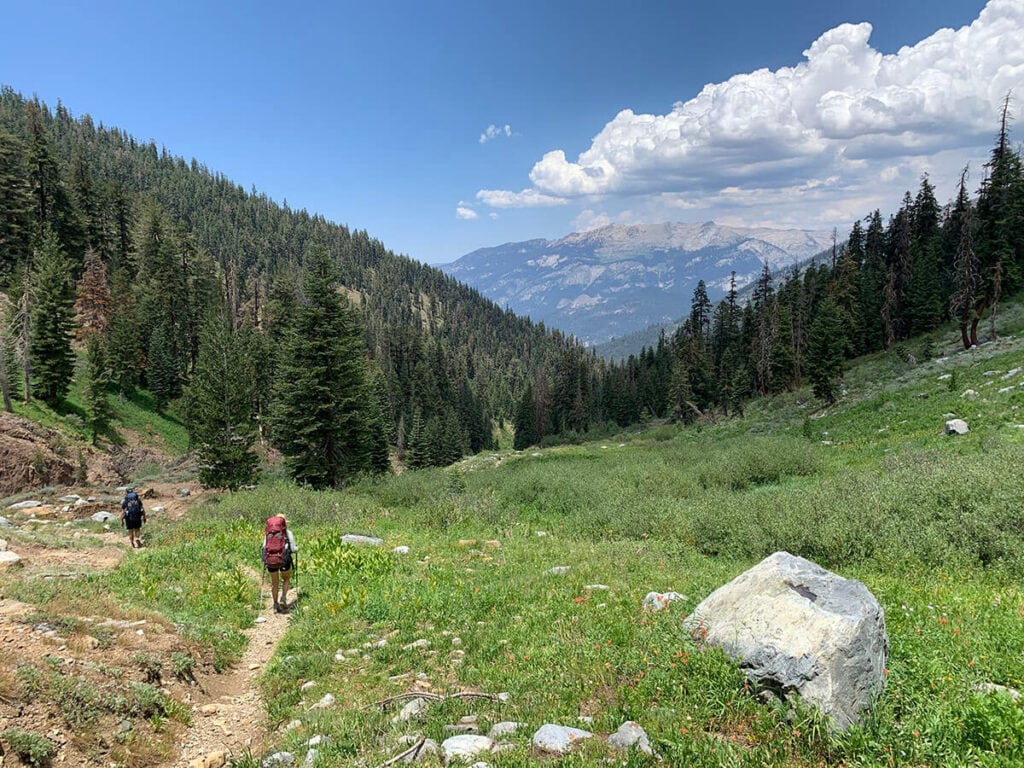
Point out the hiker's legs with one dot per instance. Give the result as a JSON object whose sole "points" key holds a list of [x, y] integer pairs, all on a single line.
{"points": [[286, 576], [273, 586]]}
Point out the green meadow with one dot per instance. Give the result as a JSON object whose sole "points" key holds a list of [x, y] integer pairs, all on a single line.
{"points": [[872, 489]]}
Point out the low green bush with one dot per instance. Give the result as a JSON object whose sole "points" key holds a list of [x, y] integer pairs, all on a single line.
{"points": [[31, 748]]}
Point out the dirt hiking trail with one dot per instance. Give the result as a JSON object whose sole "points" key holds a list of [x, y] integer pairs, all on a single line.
{"points": [[228, 716]]}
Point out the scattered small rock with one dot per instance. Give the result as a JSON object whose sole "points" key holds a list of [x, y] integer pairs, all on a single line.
{"points": [[465, 747], [504, 728], [558, 739], [401, 550], [558, 570], [957, 427], [659, 601], [325, 703], [278, 759], [422, 643], [413, 709], [358, 538], [25, 504], [101, 517], [9, 559], [1013, 693], [631, 734]]}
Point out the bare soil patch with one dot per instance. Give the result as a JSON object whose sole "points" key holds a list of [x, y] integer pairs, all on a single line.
{"points": [[92, 651]]}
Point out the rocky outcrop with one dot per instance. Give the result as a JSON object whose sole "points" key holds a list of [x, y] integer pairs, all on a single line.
{"points": [[796, 628], [27, 457]]}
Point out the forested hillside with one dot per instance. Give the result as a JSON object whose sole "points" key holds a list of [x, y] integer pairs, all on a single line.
{"points": [[928, 265], [157, 244], [247, 319]]}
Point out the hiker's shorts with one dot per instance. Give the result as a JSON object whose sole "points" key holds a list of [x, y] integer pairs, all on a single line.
{"points": [[283, 569]]}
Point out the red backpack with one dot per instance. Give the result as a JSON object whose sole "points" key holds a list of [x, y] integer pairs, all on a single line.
{"points": [[276, 548]]}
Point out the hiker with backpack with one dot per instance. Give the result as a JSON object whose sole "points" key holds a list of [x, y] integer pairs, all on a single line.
{"points": [[278, 553], [132, 517]]}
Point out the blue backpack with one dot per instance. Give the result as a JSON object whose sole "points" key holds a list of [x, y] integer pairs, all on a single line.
{"points": [[132, 510]]}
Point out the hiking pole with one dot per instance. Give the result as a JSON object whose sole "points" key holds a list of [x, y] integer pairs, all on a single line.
{"points": [[263, 583]]}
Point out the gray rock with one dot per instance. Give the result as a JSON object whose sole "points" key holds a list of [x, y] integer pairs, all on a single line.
{"points": [[558, 739], [326, 702], [101, 517], [413, 709], [1013, 693], [3, 545], [957, 427], [26, 504], [465, 746], [504, 728], [5, 523], [278, 759], [659, 601], [401, 550], [970, 393], [356, 538], [558, 570], [8, 559], [631, 734], [310, 760], [185, 491], [70, 498], [1011, 373], [795, 627]]}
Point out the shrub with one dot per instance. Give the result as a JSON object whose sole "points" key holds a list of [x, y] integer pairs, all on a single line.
{"points": [[30, 748]]}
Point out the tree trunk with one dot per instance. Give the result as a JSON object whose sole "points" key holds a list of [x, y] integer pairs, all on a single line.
{"points": [[963, 335]]}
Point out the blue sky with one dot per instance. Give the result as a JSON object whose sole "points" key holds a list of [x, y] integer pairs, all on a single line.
{"points": [[376, 115]]}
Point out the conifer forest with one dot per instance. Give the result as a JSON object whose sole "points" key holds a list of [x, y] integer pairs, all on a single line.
{"points": [[256, 324]]}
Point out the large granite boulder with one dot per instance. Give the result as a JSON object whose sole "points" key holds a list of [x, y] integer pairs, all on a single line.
{"points": [[795, 627]]}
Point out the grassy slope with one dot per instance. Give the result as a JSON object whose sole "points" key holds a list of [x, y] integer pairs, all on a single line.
{"points": [[870, 488]]}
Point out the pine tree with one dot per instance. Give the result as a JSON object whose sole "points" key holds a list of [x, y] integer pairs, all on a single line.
{"points": [[825, 351], [966, 276], [524, 422], [52, 359], [320, 422], [219, 409], [123, 336], [15, 207], [162, 369], [97, 382]]}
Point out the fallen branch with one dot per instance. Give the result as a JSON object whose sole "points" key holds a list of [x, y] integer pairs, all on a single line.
{"points": [[438, 697], [412, 752]]}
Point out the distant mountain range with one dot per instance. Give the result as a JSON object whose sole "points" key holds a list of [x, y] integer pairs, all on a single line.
{"points": [[619, 279]]}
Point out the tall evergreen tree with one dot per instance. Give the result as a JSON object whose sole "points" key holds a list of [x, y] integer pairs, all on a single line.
{"points": [[124, 345], [53, 322], [162, 375], [15, 207], [97, 382], [320, 421], [524, 421], [219, 409], [825, 352]]}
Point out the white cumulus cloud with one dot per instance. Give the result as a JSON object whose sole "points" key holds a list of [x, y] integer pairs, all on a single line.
{"points": [[528, 198], [838, 122], [465, 213], [495, 132]]}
